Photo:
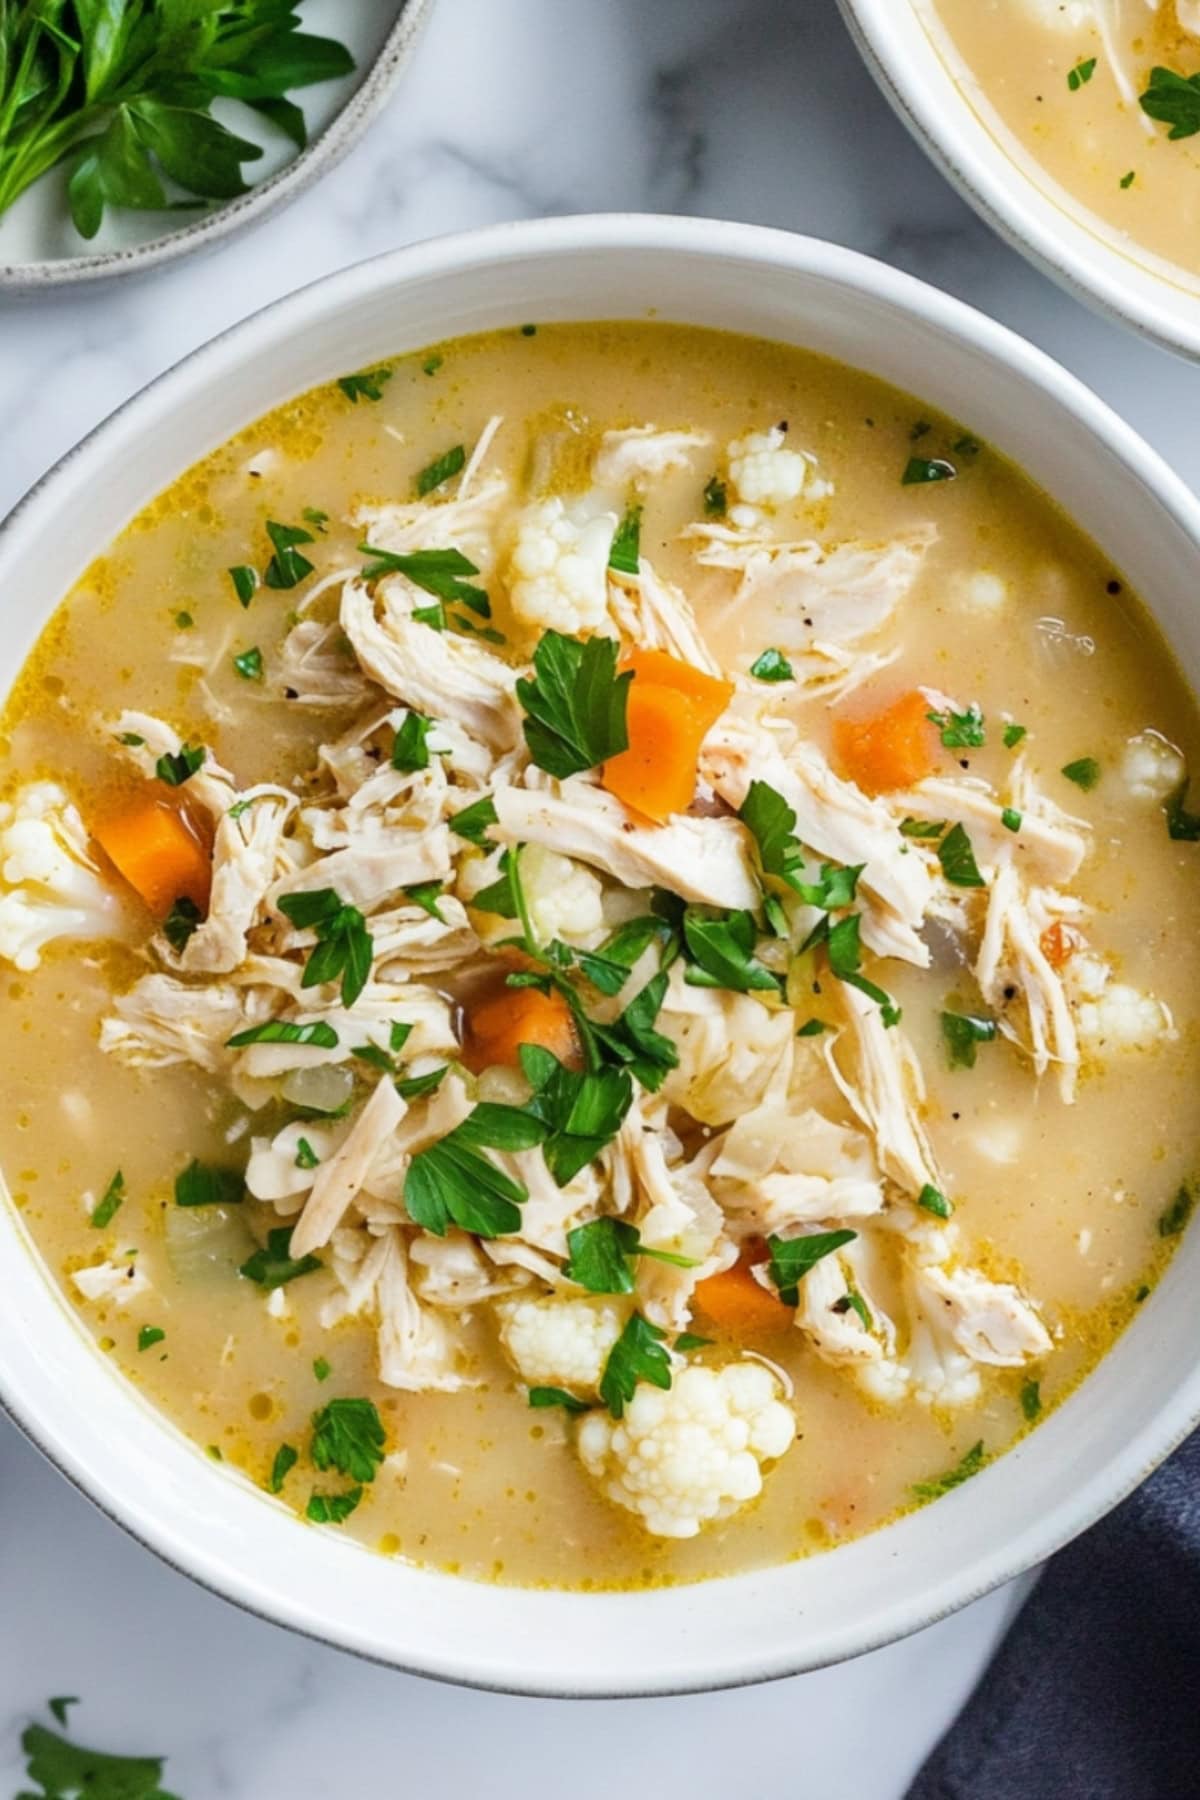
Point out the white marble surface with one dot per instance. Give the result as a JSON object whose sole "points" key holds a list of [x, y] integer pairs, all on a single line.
{"points": [[750, 109]]}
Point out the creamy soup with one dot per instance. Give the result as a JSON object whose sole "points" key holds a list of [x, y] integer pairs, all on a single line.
{"points": [[588, 914], [1100, 99]]}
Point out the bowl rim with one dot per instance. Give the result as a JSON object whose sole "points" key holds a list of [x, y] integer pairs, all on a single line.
{"points": [[1053, 238], [376, 83], [147, 1518]]}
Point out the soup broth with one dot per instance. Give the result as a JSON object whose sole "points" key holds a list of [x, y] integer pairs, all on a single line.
{"points": [[979, 737], [1092, 100]]}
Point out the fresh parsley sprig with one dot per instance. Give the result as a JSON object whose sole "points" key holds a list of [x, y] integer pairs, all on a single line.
{"points": [[575, 704], [344, 945]]}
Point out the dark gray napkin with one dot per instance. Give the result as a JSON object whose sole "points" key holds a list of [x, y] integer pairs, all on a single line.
{"points": [[1095, 1693]]}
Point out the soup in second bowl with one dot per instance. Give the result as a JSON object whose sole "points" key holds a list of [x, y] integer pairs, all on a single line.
{"points": [[1098, 98], [587, 914]]}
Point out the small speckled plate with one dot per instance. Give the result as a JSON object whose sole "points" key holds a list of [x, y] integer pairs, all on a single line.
{"points": [[40, 248]]}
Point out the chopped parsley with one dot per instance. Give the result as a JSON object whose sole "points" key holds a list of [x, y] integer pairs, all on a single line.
{"points": [[287, 568], [272, 1265], [348, 1436], [1081, 74], [637, 1355], [575, 704], [58, 1706], [177, 766], [720, 950], [286, 1458], [1128, 179], [626, 544], [1172, 1221], [426, 895], [960, 731], [922, 828], [410, 748], [245, 582], [436, 572], [110, 1203], [716, 499], [934, 1201], [200, 1184], [184, 621], [180, 923], [609, 967], [844, 946], [968, 1465], [1013, 733], [529, 331], [772, 665], [1173, 99], [249, 664], [812, 1028], [344, 945], [962, 1033], [312, 515], [473, 821], [1031, 1399], [63, 1770], [322, 1369], [1011, 819], [132, 739], [286, 1031], [792, 1258], [149, 1335], [441, 470], [852, 1301], [368, 384], [600, 1255], [958, 859], [1085, 772], [691, 1340], [556, 1396], [579, 1114], [452, 1183], [1181, 824], [432, 364], [306, 1156], [416, 1087], [332, 1509], [919, 471]]}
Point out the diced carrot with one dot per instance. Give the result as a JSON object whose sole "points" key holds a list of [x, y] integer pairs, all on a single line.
{"points": [[496, 1026], [153, 846], [1059, 943], [708, 694], [735, 1301], [657, 774], [891, 749]]}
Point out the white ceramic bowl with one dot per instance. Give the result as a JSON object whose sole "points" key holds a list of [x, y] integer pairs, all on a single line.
{"points": [[914, 63], [208, 1521]]}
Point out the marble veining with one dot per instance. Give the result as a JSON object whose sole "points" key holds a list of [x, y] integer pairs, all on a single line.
{"points": [[750, 109]]}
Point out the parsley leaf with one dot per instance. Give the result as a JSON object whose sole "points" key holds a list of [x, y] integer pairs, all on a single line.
{"points": [[845, 959], [958, 859], [245, 582], [1176, 1216], [961, 1033], [920, 470], [720, 948], [180, 922], [450, 1182], [426, 895], [922, 828], [637, 1355], [626, 544], [286, 1458], [932, 1199], [273, 1265], [286, 1031], [609, 967], [441, 470], [410, 749], [556, 1396], [1081, 74], [149, 1335], [962, 1471], [691, 1340], [716, 499], [1173, 99], [792, 1258], [960, 731], [1031, 1399], [772, 665], [63, 1770], [306, 1156], [368, 384], [1182, 825], [249, 664], [600, 1254], [348, 1436], [1011, 819], [344, 945], [200, 1184], [580, 1113], [332, 1509], [473, 821], [287, 568], [575, 704], [1084, 772], [1013, 733], [436, 572], [110, 1203], [176, 767], [58, 1706]]}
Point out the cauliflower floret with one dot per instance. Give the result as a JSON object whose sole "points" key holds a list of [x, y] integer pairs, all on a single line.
{"points": [[54, 887], [561, 1343], [120, 1282], [682, 1458], [564, 899], [1111, 1016], [765, 474], [1151, 768], [558, 570]]}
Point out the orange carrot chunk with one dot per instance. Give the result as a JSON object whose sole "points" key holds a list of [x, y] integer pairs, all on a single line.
{"points": [[497, 1026], [736, 1302], [656, 776], [891, 749], [708, 694], [152, 845]]}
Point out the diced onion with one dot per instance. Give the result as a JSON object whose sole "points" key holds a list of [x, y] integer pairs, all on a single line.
{"points": [[206, 1241], [324, 1089]]}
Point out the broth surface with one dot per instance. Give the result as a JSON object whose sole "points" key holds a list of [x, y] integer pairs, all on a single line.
{"points": [[1014, 610]]}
